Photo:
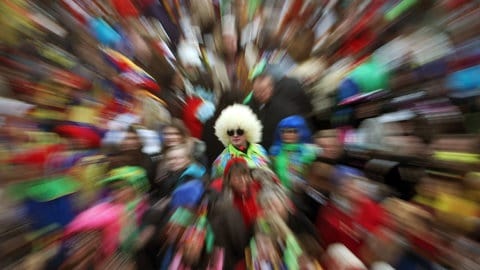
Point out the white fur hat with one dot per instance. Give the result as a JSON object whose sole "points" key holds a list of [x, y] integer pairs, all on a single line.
{"points": [[238, 116]]}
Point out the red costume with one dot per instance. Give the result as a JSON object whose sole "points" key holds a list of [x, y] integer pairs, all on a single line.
{"points": [[337, 226], [194, 125]]}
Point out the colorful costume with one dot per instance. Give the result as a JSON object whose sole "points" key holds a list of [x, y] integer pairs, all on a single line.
{"points": [[290, 160], [255, 155], [239, 117]]}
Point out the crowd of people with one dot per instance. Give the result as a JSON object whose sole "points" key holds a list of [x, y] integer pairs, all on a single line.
{"points": [[196, 213]]}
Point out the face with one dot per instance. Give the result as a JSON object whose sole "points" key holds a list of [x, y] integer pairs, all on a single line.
{"points": [[131, 142], [263, 89], [289, 135], [237, 137], [239, 182], [177, 159], [331, 146], [172, 136]]}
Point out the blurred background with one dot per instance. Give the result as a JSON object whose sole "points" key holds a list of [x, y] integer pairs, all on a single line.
{"points": [[393, 93]]}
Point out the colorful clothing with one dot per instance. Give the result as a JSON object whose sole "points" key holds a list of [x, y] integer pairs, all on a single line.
{"points": [[247, 204], [196, 112], [291, 160], [336, 226], [256, 156], [118, 224]]}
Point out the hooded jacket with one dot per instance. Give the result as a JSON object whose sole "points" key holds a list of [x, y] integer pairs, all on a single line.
{"points": [[290, 160]]}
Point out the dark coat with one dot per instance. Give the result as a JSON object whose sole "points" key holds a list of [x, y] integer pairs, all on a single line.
{"points": [[230, 231], [306, 232], [288, 99], [213, 145], [226, 222]]}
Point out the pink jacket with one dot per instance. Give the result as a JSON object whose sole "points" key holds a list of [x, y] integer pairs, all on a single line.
{"points": [[104, 217]]}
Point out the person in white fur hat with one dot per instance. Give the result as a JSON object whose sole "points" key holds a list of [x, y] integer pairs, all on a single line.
{"points": [[239, 129]]}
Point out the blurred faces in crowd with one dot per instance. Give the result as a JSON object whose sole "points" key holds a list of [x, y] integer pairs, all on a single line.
{"points": [[263, 87], [330, 143], [178, 158]]}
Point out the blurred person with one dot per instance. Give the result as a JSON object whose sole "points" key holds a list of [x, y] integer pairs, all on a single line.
{"points": [[158, 10], [269, 254], [309, 71], [190, 238], [197, 80], [239, 130], [292, 155], [239, 196], [128, 152], [277, 202], [351, 217], [200, 99], [214, 146], [174, 95], [231, 233], [180, 168], [276, 98], [230, 61], [176, 133], [292, 152], [234, 58], [230, 49], [330, 155], [111, 226], [331, 145], [158, 228], [275, 246], [239, 187]]}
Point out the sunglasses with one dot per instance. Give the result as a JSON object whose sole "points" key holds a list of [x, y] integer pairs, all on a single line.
{"points": [[238, 132], [290, 130]]}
